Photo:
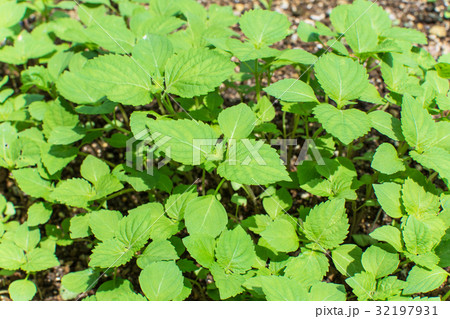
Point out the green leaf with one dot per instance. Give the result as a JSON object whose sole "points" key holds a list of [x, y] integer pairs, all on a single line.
{"points": [[229, 284], [152, 53], [277, 204], [79, 226], [74, 192], [11, 13], [405, 34], [379, 262], [79, 281], [39, 213], [417, 236], [281, 235], [106, 185], [104, 223], [161, 281], [283, 289], [435, 158], [11, 256], [117, 77], [201, 247], [291, 90], [93, 168], [135, 229], [185, 141], [347, 259], [235, 251], [25, 238], [176, 203], [74, 88], [22, 290], [111, 33], [386, 124], [264, 27], [56, 157], [265, 111], [341, 78], [388, 195], [40, 259], [32, 183], [443, 69], [196, 72], [205, 215], [363, 285], [417, 201], [157, 250], [424, 280], [252, 162], [389, 234], [117, 290], [386, 161], [388, 287], [64, 135], [417, 124], [27, 46], [294, 56], [110, 253], [346, 125], [160, 227], [324, 291], [307, 268], [237, 122], [326, 224]]}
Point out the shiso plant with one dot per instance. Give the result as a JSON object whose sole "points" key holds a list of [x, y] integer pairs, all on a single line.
{"points": [[92, 94]]}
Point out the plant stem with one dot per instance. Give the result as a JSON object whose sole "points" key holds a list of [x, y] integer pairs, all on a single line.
{"points": [[203, 182], [257, 82], [446, 296], [124, 115], [107, 120], [123, 191], [284, 125], [350, 150], [250, 193], [165, 98], [295, 126], [316, 133], [219, 186]]}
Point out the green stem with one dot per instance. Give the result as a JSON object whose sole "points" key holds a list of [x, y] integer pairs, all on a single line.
{"points": [[168, 104], [107, 120], [250, 193], [350, 150], [123, 191], [295, 126], [219, 186], [161, 106], [316, 133], [203, 182], [433, 176], [124, 115], [284, 125], [257, 82], [446, 296]]}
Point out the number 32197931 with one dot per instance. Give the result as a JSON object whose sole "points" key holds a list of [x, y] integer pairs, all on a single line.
{"points": [[406, 311]]}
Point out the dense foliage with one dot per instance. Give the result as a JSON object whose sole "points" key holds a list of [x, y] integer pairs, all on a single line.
{"points": [[224, 218]]}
